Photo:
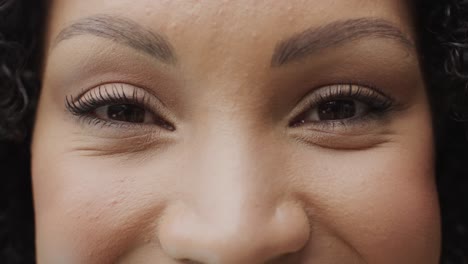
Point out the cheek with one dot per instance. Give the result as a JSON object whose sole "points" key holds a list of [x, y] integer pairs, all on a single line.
{"points": [[95, 208], [382, 201]]}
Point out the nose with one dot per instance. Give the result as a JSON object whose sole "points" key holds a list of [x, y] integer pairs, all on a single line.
{"points": [[234, 210], [233, 238]]}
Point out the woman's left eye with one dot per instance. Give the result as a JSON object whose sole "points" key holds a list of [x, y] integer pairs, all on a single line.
{"points": [[342, 104], [335, 110], [125, 113]]}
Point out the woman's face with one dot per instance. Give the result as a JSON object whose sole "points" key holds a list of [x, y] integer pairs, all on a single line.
{"points": [[233, 132]]}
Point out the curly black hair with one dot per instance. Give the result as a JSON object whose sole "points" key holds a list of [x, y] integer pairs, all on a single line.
{"points": [[443, 44]]}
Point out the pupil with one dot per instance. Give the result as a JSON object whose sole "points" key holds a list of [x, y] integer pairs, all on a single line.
{"points": [[126, 113], [337, 109]]}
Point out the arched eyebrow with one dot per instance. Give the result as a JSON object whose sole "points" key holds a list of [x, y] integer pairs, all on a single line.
{"points": [[335, 34], [121, 30]]}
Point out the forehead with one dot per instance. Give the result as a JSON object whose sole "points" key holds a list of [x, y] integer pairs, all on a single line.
{"points": [[223, 22]]}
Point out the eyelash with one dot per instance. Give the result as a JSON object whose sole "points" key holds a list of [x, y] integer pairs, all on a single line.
{"points": [[379, 104], [109, 94]]}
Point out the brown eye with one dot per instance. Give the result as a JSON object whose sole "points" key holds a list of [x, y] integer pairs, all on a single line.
{"points": [[125, 113], [335, 110]]}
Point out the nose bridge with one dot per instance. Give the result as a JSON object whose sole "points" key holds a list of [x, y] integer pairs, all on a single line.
{"points": [[235, 175], [235, 208]]}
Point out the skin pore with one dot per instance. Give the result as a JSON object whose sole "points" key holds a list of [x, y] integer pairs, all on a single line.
{"points": [[233, 132]]}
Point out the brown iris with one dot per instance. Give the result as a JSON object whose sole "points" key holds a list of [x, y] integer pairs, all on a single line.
{"points": [[337, 109], [126, 113]]}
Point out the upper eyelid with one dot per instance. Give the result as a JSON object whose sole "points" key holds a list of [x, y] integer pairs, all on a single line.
{"points": [[115, 94], [147, 90], [101, 93], [88, 98], [99, 88], [347, 89]]}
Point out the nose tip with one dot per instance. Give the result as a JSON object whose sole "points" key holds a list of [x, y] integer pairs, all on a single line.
{"points": [[262, 237]]}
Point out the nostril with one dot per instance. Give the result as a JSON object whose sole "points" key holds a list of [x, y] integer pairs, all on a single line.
{"points": [[288, 258]]}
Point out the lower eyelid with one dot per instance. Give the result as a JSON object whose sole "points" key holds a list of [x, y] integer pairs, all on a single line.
{"points": [[340, 136], [329, 126], [119, 145], [348, 142]]}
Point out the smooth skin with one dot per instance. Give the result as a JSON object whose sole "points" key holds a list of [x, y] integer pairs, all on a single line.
{"points": [[240, 170]]}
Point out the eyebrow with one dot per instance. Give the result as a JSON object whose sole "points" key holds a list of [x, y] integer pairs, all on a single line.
{"points": [[335, 34], [121, 30]]}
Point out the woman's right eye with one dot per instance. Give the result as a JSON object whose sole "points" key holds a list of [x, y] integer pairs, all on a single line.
{"points": [[116, 104]]}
